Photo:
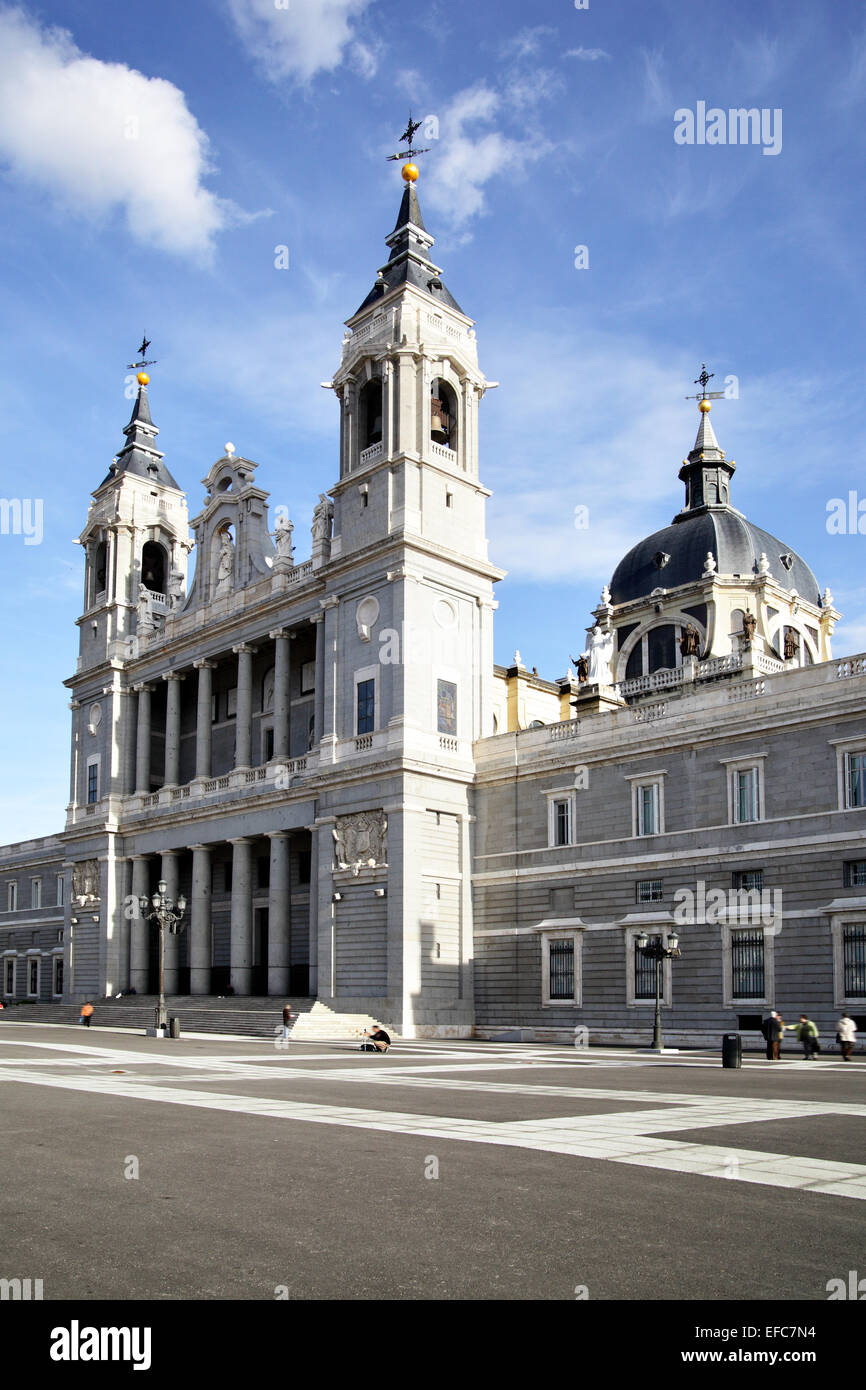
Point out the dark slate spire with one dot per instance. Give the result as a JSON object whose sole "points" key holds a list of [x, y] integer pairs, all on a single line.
{"points": [[409, 262], [139, 454], [706, 472]]}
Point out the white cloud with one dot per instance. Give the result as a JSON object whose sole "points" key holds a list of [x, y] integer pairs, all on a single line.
{"points": [[587, 55], [526, 43], [305, 38], [468, 159], [102, 137]]}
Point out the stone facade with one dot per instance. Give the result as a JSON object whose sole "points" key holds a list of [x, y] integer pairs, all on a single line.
{"points": [[359, 806]]}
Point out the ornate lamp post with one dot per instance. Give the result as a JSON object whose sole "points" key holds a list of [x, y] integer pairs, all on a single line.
{"points": [[166, 914], [657, 951]]}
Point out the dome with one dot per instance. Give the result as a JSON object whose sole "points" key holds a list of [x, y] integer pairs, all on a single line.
{"points": [[735, 543]]}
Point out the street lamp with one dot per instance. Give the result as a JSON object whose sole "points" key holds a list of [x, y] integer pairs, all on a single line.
{"points": [[657, 951], [166, 914]]}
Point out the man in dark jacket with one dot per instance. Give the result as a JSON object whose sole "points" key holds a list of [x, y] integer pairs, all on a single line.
{"points": [[773, 1030]]}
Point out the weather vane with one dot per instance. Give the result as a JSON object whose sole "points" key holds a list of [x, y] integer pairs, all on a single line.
{"points": [[134, 366], [407, 135], [705, 395]]}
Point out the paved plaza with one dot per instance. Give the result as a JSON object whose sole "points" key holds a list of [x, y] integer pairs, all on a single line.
{"points": [[219, 1168]]}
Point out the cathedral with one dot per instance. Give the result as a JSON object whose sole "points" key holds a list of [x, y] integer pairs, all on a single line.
{"points": [[311, 744]]}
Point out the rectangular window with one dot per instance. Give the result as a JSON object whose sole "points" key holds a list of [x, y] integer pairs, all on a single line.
{"points": [[303, 866], [747, 964], [308, 677], [446, 707], [61, 890], [92, 783], [9, 977], [58, 974], [562, 822], [644, 972], [855, 873], [232, 702], [748, 881], [36, 892], [648, 810], [562, 969], [33, 977], [649, 890], [746, 805], [855, 780], [366, 707], [854, 961], [11, 897]]}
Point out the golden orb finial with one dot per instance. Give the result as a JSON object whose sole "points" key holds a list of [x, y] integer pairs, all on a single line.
{"points": [[410, 172], [704, 407], [142, 378]]}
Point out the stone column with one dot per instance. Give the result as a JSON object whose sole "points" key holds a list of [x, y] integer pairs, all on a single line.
{"points": [[200, 922], [279, 914], [172, 728], [242, 916], [314, 911], [204, 717], [319, 699], [282, 665], [170, 871], [140, 927], [142, 750], [244, 715]]}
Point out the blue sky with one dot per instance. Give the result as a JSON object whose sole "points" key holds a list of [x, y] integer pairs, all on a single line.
{"points": [[152, 157]]}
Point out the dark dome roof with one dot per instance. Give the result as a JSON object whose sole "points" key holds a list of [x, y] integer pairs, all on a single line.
{"points": [[736, 544]]}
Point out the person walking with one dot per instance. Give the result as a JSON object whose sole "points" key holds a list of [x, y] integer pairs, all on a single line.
{"points": [[86, 1014], [773, 1029], [846, 1036], [288, 1016], [807, 1034]]}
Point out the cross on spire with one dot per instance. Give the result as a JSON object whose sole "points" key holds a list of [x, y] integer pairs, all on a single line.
{"points": [[143, 361], [407, 136], [702, 380]]}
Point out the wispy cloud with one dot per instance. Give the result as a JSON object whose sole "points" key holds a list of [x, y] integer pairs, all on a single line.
{"points": [[303, 39], [526, 43], [587, 55], [102, 137]]}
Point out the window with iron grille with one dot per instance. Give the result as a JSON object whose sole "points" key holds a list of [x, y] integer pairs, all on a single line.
{"points": [[855, 873], [747, 964], [366, 706], [644, 972], [562, 822], [33, 977], [748, 880], [854, 961], [855, 780], [562, 968], [649, 890], [9, 984]]}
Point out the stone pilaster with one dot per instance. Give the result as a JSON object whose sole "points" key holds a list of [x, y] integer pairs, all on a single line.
{"points": [[200, 921], [279, 914], [140, 927], [242, 916]]}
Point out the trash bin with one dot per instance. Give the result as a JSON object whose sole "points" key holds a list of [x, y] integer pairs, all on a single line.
{"points": [[174, 1027], [732, 1050]]}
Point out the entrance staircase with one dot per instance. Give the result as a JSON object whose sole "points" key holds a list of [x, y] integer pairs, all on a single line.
{"points": [[241, 1016]]}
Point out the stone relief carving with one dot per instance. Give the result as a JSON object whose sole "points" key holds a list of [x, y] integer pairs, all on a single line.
{"points": [[85, 879], [360, 840]]}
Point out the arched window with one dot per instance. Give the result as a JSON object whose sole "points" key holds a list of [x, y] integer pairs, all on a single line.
{"points": [[661, 647], [634, 665], [370, 414], [443, 413], [100, 567], [153, 567]]}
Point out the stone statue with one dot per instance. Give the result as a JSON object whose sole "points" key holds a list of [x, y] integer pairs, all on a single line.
{"points": [[283, 539], [792, 644], [145, 613], [750, 623], [225, 566], [176, 590], [359, 840], [599, 653], [690, 642], [582, 669], [322, 518]]}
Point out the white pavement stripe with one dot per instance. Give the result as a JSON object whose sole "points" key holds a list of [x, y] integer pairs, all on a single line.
{"points": [[565, 1135]]}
